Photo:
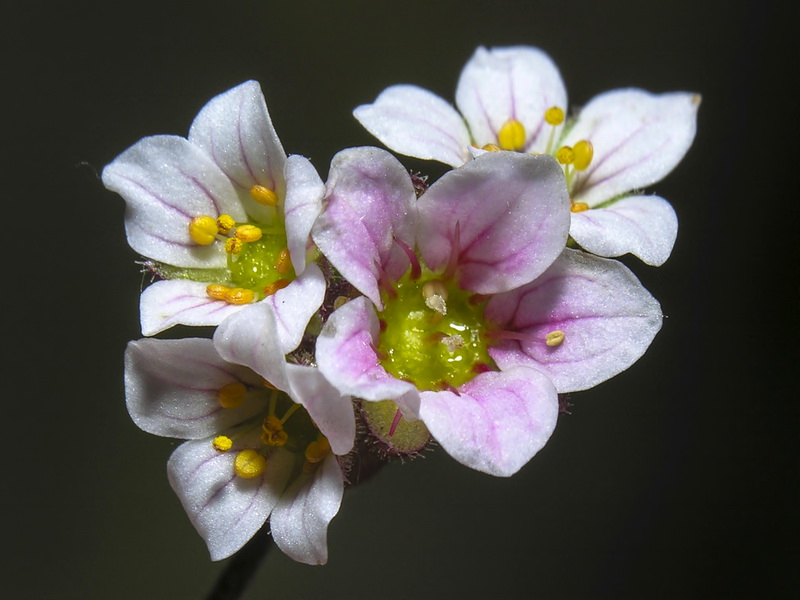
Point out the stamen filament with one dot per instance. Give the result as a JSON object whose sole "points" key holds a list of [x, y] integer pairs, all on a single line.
{"points": [[416, 268]]}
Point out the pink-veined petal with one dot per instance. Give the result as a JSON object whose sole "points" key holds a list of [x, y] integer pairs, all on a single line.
{"points": [[370, 201], [415, 122], [294, 305], [497, 423], [331, 411], [236, 131], [166, 182], [512, 215], [637, 137], [171, 388], [607, 317], [304, 193], [170, 302], [347, 358], [226, 510], [518, 83], [645, 226], [299, 523]]}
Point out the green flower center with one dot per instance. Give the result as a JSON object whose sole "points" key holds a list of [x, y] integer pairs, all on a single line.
{"points": [[261, 263], [433, 333]]}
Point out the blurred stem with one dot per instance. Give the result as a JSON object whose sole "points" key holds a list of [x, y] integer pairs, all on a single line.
{"points": [[241, 567]]}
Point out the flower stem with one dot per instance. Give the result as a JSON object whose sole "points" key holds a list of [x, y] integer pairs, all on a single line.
{"points": [[241, 568]]}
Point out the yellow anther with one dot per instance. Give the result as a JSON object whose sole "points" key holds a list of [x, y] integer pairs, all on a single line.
{"points": [[565, 155], [225, 223], [316, 452], [231, 394], [233, 245], [239, 296], [579, 207], [554, 116], [203, 230], [248, 233], [491, 148], [511, 135], [283, 264], [264, 195], [340, 301], [222, 443], [217, 291], [249, 464], [276, 285], [583, 154], [554, 338], [272, 432], [268, 385]]}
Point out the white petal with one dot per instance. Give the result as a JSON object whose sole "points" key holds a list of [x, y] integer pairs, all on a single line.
{"points": [[225, 509], [645, 226], [171, 388], [166, 182], [251, 338], [637, 137], [294, 305], [416, 122], [304, 193], [236, 131], [607, 317], [497, 422], [331, 411], [510, 83], [181, 302], [299, 523]]}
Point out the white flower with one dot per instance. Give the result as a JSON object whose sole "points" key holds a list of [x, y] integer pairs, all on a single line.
{"points": [[254, 452], [224, 216], [514, 99]]}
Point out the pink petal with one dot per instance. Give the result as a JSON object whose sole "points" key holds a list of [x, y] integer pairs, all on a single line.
{"points": [[299, 523], [500, 84], [607, 317], [225, 509], [166, 303], [236, 131], [512, 215], [416, 122], [370, 202], [347, 358], [166, 182], [638, 138], [497, 422], [171, 388], [645, 226]]}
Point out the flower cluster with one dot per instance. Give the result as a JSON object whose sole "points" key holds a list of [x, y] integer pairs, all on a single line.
{"points": [[372, 315]]}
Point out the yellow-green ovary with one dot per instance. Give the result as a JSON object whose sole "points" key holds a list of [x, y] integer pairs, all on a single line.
{"points": [[411, 342]]}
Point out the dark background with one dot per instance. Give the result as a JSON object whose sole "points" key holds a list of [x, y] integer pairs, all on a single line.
{"points": [[677, 479]]}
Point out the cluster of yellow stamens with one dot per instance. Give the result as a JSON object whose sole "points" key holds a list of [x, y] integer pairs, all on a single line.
{"points": [[250, 463], [205, 230], [259, 262]]}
